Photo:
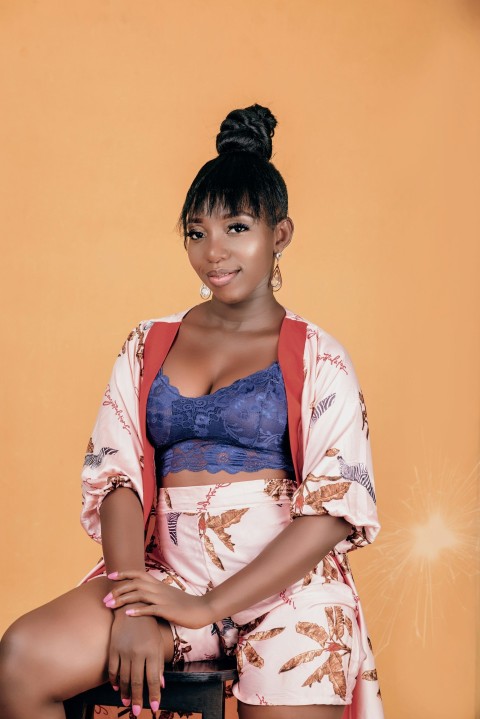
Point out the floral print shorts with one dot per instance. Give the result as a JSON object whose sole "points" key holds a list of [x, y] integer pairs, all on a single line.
{"points": [[301, 646]]}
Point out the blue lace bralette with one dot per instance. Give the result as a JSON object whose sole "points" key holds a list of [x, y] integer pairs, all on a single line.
{"points": [[239, 428]]}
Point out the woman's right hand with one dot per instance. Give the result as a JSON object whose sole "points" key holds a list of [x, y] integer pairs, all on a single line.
{"points": [[136, 649]]}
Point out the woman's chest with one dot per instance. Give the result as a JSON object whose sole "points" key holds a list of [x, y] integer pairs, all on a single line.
{"points": [[201, 363]]}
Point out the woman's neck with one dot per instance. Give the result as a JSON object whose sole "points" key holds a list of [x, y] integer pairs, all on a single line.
{"points": [[251, 315]]}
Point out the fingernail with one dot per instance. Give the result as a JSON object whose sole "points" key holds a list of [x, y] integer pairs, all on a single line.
{"points": [[136, 709], [110, 604], [162, 682], [130, 612], [115, 687], [112, 575], [108, 597], [126, 702], [155, 706]]}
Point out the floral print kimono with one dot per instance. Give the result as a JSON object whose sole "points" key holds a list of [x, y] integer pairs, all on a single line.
{"points": [[329, 440]]}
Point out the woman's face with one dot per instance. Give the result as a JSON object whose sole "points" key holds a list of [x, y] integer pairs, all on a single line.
{"points": [[233, 255]]}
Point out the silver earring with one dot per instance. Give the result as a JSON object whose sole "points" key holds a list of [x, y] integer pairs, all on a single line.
{"points": [[205, 292]]}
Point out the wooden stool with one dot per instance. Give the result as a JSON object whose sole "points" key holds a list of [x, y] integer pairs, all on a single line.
{"points": [[194, 687]]}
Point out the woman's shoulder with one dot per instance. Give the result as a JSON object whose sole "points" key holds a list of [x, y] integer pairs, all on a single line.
{"points": [[135, 340], [317, 336], [325, 357], [168, 319], [146, 324]]}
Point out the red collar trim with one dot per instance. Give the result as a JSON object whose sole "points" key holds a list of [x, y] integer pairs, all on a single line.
{"points": [[291, 344]]}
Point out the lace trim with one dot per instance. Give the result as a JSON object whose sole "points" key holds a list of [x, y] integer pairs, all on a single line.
{"points": [[196, 455]]}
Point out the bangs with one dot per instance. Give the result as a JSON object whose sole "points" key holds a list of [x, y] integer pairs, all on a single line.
{"points": [[236, 182], [224, 200]]}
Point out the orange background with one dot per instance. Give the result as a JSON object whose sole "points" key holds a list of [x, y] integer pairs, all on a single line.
{"points": [[109, 109]]}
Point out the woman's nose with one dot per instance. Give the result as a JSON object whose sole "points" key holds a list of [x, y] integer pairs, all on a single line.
{"points": [[216, 247]]}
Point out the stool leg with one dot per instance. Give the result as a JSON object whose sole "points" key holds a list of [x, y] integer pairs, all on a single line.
{"points": [[214, 707], [74, 708]]}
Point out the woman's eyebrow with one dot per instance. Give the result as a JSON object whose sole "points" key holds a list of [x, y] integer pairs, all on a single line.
{"points": [[229, 215], [226, 216]]}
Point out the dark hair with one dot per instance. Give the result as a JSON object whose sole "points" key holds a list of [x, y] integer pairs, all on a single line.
{"points": [[241, 178]]}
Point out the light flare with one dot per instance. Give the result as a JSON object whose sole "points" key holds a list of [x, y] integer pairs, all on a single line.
{"points": [[432, 537], [431, 543]]}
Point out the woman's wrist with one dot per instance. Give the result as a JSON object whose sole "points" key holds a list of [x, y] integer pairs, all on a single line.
{"points": [[213, 607]]}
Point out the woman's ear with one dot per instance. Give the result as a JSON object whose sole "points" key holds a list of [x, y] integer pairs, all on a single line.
{"points": [[283, 234]]}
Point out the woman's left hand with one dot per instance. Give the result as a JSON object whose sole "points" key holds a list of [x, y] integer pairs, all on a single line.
{"points": [[161, 599]]}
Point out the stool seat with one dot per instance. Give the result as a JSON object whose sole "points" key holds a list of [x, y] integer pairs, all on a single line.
{"points": [[193, 687]]}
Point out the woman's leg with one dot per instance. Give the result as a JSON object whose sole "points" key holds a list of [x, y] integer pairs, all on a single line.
{"points": [[247, 711], [55, 652]]}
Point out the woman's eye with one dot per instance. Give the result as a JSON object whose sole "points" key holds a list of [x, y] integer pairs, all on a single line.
{"points": [[238, 227], [194, 234]]}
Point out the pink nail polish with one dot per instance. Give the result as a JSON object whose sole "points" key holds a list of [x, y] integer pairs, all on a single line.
{"points": [[130, 612], [114, 686], [155, 706], [162, 682], [126, 702], [112, 575], [136, 709], [110, 604], [108, 597]]}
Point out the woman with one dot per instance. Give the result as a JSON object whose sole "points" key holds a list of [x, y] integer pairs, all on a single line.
{"points": [[235, 435]]}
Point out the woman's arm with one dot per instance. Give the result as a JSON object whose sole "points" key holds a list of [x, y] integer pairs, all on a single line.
{"points": [[112, 487], [121, 519], [134, 648], [293, 553], [288, 557]]}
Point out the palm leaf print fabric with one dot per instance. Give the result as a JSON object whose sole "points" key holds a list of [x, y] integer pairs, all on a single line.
{"points": [[246, 652], [218, 524], [332, 644], [329, 434]]}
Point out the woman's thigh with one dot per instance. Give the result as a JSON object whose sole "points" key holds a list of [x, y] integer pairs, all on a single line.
{"points": [[246, 711], [61, 647]]}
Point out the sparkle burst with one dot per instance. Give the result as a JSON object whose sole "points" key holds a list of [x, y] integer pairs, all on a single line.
{"points": [[431, 542]]}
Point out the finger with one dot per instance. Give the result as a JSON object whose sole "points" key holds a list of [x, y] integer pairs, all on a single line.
{"points": [[153, 681], [136, 684], [125, 586], [152, 610], [113, 667], [130, 586], [141, 595], [131, 598], [162, 669], [125, 693], [126, 574]]}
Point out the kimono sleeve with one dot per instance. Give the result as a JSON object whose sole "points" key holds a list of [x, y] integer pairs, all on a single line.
{"points": [[114, 455], [338, 475]]}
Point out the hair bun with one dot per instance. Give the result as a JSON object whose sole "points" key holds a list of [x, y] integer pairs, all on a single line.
{"points": [[248, 130]]}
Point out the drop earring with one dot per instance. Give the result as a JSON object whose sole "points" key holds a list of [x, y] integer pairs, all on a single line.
{"points": [[276, 279], [205, 292]]}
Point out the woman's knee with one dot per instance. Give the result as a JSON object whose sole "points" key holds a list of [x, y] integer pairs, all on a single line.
{"points": [[17, 654], [36, 657]]}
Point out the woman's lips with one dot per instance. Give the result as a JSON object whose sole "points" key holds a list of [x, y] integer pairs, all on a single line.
{"points": [[222, 279]]}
